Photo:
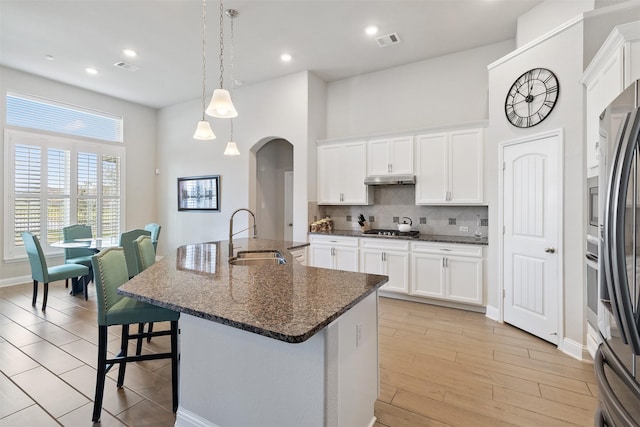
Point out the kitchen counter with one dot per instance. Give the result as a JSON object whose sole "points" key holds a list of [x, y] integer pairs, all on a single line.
{"points": [[439, 238], [269, 345], [288, 302]]}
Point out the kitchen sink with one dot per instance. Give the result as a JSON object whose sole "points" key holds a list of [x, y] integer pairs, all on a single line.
{"points": [[266, 257]]}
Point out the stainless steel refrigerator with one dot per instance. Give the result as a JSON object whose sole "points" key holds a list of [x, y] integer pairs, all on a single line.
{"points": [[617, 360]]}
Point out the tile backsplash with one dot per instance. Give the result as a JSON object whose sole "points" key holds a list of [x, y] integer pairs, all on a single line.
{"points": [[399, 201]]}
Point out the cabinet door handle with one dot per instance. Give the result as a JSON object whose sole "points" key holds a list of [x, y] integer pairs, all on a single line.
{"points": [[443, 258], [333, 251], [384, 256]]}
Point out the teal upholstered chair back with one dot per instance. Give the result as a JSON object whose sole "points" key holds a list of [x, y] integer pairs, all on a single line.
{"points": [[77, 231], [155, 233], [126, 241], [37, 261], [145, 253], [110, 269]]}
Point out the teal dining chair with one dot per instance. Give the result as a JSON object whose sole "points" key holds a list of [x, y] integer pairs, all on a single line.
{"points": [[155, 233], [145, 256], [80, 256], [110, 269], [40, 272], [126, 242]]}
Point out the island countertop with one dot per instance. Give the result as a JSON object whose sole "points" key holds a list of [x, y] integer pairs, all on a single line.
{"points": [[289, 302]]}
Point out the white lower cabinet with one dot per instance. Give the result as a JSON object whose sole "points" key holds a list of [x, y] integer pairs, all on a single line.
{"points": [[444, 271], [389, 258], [334, 252]]}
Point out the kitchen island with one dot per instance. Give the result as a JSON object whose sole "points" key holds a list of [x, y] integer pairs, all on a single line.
{"points": [[268, 345]]}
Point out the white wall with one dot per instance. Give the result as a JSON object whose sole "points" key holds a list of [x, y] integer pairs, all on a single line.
{"points": [[139, 141], [547, 16], [563, 55], [274, 109], [450, 89]]}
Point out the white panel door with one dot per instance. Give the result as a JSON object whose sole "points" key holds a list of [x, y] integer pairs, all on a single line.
{"points": [[427, 275], [321, 256], [345, 258], [353, 173], [531, 236], [465, 166], [396, 266], [402, 156], [431, 168], [329, 174], [378, 157]]}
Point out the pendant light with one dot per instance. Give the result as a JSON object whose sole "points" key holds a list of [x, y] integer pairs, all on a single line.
{"points": [[232, 147], [203, 130], [221, 105]]}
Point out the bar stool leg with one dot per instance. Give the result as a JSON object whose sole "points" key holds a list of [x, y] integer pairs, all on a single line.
{"points": [[102, 372]]}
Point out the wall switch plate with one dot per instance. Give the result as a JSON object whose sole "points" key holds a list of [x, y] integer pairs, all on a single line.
{"points": [[372, 218], [452, 221], [396, 219], [423, 220], [484, 222], [348, 218], [465, 229]]}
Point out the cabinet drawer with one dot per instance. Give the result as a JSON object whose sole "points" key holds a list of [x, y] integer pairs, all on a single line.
{"points": [[445, 249], [333, 240], [385, 244]]}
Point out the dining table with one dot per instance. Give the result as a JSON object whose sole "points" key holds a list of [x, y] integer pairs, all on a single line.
{"points": [[95, 244]]}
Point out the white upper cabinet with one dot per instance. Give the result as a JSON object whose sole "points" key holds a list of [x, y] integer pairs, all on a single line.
{"points": [[341, 174], [449, 167], [391, 156], [614, 67]]}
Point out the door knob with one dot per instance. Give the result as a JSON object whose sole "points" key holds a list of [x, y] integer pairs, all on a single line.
{"points": [[550, 250]]}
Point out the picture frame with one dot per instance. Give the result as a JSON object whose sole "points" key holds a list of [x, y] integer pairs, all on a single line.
{"points": [[199, 193]]}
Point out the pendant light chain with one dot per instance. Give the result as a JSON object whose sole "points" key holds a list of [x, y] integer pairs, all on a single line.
{"points": [[232, 15], [221, 44], [204, 56]]}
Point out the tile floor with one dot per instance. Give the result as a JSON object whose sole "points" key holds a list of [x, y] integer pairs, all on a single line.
{"points": [[47, 366]]}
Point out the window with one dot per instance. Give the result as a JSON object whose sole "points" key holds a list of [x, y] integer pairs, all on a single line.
{"points": [[32, 112], [56, 181]]}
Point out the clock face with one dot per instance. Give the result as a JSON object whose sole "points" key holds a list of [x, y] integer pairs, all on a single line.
{"points": [[531, 98]]}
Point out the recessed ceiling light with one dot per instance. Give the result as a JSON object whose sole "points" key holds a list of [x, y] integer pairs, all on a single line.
{"points": [[285, 57], [91, 70], [130, 53], [371, 30], [50, 57]]}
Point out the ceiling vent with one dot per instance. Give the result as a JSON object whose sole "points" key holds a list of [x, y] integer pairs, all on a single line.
{"points": [[388, 40], [126, 66]]}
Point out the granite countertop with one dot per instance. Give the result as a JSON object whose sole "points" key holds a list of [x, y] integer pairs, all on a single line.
{"points": [[288, 302], [439, 238]]}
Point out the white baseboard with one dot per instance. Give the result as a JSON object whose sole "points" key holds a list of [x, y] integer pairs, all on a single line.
{"points": [[572, 348], [15, 281], [593, 341], [186, 418], [372, 422], [493, 313]]}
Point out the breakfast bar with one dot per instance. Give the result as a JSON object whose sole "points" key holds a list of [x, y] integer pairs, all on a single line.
{"points": [[267, 344]]}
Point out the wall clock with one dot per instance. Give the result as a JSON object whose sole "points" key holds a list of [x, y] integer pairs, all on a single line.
{"points": [[531, 98]]}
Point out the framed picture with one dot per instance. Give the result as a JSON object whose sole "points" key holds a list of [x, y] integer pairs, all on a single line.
{"points": [[199, 193]]}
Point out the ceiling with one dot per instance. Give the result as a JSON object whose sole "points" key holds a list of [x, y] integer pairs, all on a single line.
{"points": [[324, 36]]}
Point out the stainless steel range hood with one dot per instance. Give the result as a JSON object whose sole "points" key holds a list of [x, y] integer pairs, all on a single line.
{"points": [[390, 180]]}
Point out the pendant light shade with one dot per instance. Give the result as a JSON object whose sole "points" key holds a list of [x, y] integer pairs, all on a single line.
{"points": [[221, 105], [232, 149], [204, 131]]}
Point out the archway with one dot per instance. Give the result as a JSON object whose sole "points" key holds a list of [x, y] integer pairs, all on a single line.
{"points": [[274, 192]]}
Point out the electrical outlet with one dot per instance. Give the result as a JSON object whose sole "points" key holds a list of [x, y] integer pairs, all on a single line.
{"points": [[348, 218], [396, 219], [464, 229], [484, 222], [423, 220], [372, 218], [452, 221]]}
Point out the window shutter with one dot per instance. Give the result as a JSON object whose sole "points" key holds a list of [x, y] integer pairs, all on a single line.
{"points": [[27, 189]]}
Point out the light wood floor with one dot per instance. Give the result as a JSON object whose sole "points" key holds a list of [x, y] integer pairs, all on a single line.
{"points": [[438, 366]]}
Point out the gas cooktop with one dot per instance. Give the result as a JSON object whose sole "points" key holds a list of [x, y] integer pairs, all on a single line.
{"points": [[392, 233]]}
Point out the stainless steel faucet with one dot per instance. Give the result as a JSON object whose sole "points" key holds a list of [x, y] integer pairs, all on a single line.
{"points": [[231, 233]]}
